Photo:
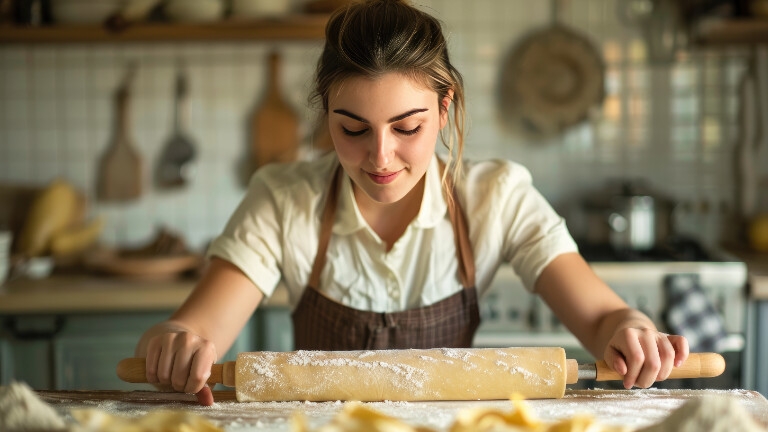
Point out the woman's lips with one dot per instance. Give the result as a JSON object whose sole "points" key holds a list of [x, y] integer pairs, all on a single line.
{"points": [[383, 178]]}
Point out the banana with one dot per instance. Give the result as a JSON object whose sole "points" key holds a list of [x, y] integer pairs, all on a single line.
{"points": [[76, 240], [54, 210]]}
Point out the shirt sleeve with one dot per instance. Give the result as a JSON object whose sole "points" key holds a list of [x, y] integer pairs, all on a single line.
{"points": [[251, 238], [534, 233]]}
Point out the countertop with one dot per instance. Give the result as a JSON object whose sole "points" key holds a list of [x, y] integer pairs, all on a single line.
{"points": [[73, 293], [634, 408], [60, 294]]}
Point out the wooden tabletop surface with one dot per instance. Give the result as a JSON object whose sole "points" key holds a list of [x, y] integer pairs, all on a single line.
{"points": [[635, 408]]}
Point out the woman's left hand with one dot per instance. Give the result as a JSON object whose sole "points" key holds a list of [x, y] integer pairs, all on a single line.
{"points": [[644, 356]]}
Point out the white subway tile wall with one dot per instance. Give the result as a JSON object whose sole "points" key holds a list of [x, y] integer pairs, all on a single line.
{"points": [[674, 125]]}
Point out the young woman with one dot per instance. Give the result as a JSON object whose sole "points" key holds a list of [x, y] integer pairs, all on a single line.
{"points": [[383, 244]]}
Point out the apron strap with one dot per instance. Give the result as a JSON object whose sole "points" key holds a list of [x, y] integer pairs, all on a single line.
{"points": [[455, 212], [460, 232], [326, 227]]}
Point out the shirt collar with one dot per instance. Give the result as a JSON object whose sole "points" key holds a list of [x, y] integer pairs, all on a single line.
{"points": [[432, 211]]}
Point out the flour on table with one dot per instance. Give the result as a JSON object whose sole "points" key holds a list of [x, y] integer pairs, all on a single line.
{"points": [[21, 410], [711, 413]]}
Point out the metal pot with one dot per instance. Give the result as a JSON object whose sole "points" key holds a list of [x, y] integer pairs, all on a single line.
{"points": [[628, 219]]}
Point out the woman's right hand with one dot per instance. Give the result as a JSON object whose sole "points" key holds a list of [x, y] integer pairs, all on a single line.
{"points": [[181, 350], [181, 360]]}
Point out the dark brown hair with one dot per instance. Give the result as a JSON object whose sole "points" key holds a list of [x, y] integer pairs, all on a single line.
{"points": [[375, 37]]}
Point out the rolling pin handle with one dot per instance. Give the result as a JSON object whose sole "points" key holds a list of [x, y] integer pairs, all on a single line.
{"points": [[697, 365], [572, 371], [134, 370]]}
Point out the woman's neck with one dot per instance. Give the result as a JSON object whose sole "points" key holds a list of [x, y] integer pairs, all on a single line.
{"points": [[389, 221]]}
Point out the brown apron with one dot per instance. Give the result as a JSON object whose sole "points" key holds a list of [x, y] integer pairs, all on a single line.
{"points": [[320, 323]]}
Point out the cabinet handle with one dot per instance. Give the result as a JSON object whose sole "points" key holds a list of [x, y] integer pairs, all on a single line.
{"points": [[33, 334]]}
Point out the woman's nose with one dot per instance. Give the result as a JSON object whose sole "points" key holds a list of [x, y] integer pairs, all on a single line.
{"points": [[382, 149]]}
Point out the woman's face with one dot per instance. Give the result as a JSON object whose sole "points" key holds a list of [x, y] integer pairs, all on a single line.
{"points": [[385, 131]]}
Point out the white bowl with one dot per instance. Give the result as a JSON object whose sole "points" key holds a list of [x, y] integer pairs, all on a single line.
{"points": [[260, 8], [38, 267], [4, 267], [6, 238], [84, 11], [194, 10]]}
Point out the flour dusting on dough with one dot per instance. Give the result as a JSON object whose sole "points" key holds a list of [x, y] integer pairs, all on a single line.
{"points": [[464, 355], [529, 376], [502, 353], [551, 364]]}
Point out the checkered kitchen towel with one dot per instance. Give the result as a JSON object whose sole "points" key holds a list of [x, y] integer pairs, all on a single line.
{"points": [[690, 313]]}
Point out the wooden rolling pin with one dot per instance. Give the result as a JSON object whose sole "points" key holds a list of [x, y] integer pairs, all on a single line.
{"points": [[411, 375]]}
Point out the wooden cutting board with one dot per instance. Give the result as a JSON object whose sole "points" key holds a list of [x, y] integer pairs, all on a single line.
{"points": [[120, 172], [275, 127]]}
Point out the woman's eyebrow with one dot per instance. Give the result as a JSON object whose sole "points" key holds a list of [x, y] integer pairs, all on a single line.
{"points": [[392, 120]]}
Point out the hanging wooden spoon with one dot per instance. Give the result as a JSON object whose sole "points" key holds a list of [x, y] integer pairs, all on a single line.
{"points": [[275, 134], [121, 168]]}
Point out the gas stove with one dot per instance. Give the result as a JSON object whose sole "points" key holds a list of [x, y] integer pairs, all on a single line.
{"points": [[675, 249], [511, 314]]}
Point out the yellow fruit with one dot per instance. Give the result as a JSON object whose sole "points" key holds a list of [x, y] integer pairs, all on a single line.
{"points": [[758, 233], [53, 210], [76, 240]]}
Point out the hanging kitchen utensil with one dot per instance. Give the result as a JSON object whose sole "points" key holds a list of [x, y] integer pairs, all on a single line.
{"points": [[551, 80], [275, 134], [321, 137], [661, 24], [174, 169], [748, 142], [120, 168]]}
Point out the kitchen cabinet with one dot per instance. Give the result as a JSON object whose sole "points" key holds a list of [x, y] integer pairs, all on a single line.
{"points": [[296, 27], [81, 351], [273, 329], [760, 350]]}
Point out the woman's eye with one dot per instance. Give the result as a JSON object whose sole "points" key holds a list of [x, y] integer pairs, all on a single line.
{"points": [[410, 131], [353, 133]]}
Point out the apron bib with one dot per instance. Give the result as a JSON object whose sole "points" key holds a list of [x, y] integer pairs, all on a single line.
{"points": [[320, 323]]}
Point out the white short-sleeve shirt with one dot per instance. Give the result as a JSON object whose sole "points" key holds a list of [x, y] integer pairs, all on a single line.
{"points": [[273, 236]]}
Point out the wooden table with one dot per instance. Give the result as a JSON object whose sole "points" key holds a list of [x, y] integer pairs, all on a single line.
{"points": [[635, 408]]}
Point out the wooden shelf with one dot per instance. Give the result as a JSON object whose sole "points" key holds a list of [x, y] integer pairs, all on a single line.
{"points": [[731, 32], [297, 27]]}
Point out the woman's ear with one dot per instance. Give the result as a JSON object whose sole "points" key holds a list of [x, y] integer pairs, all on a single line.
{"points": [[444, 105]]}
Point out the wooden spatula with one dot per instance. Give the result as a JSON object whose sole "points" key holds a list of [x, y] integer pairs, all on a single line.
{"points": [[121, 166], [275, 134]]}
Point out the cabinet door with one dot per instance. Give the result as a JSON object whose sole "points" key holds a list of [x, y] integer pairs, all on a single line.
{"points": [[25, 361], [274, 329], [25, 349], [87, 350], [89, 362]]}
